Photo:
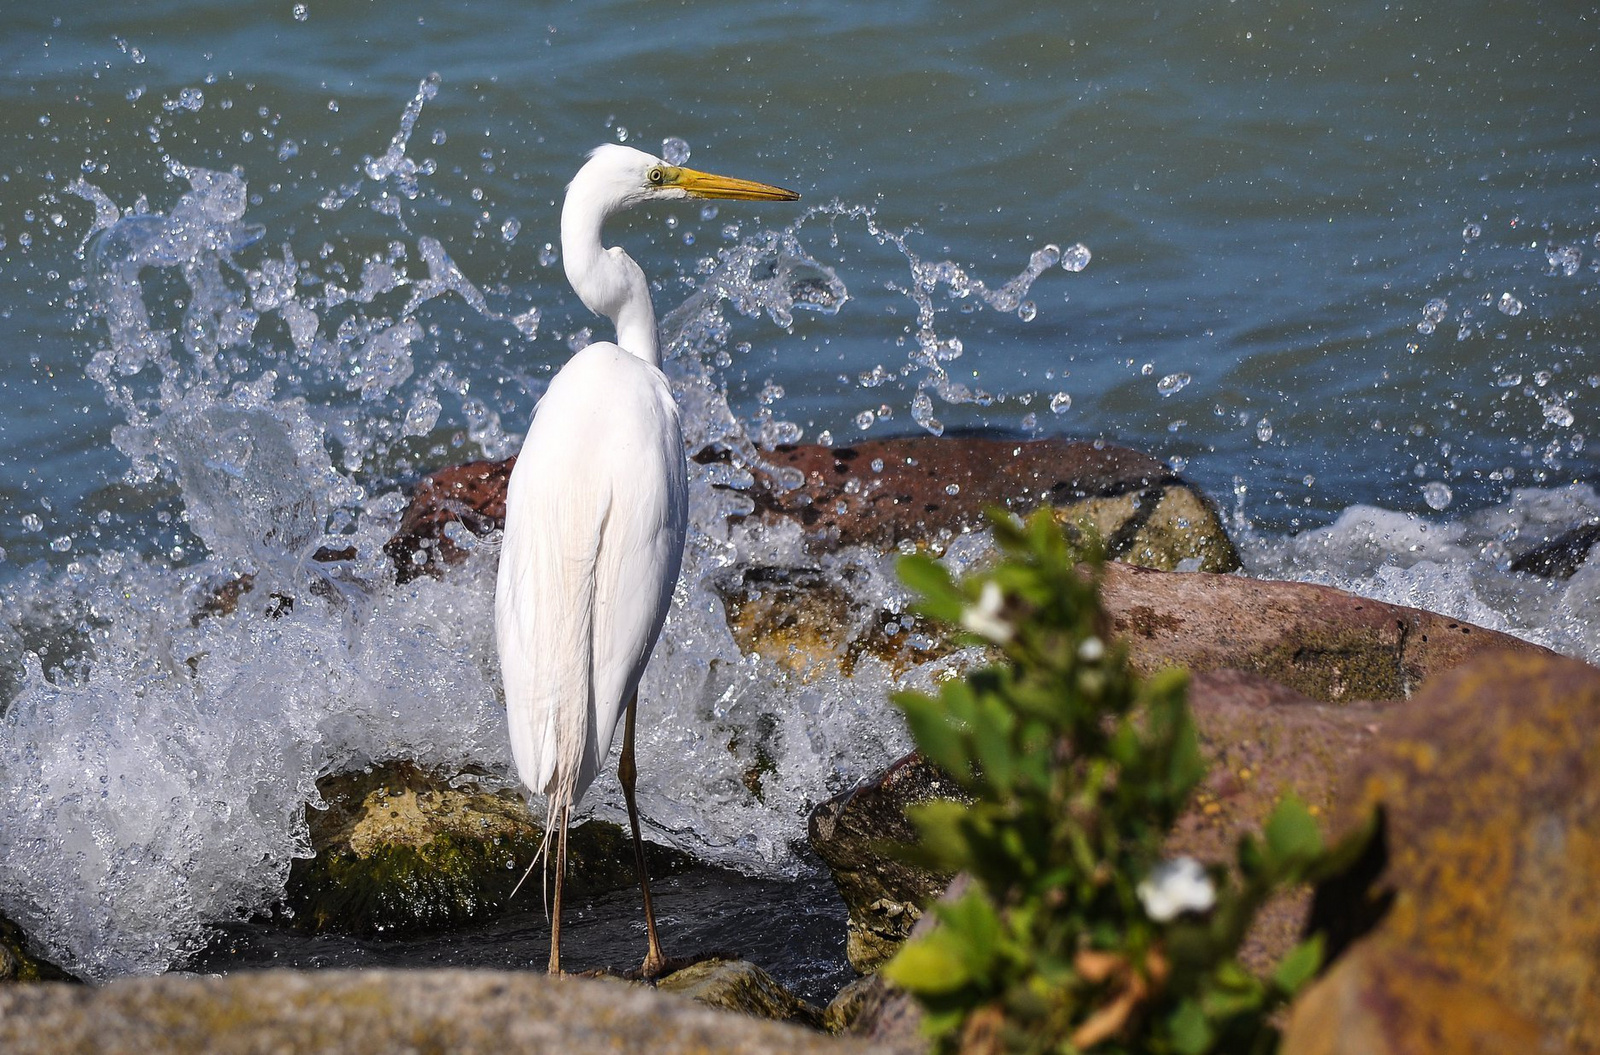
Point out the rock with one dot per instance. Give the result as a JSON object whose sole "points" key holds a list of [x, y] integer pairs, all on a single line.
{"points": [[18, 961], [883, 492], [1490, 783], [380, 1012], [851, 833], [1560, 557], [741, 986], [1326, 643], [472, 495], [843, 1011], [1260, 740], [402, 849], [917, 488]]}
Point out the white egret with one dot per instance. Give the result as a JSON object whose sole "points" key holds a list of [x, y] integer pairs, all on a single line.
{"points": [[596, 511]]}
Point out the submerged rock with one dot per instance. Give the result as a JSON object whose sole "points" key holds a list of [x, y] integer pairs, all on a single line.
{"points": [[917, 489], [18, 961], [1490, 868], [402, 849], [739, 985], [380, 1012]]}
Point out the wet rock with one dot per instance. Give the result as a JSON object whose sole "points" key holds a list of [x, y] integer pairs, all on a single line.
{"points": [[919, 488], [853, 832], [18, 961], [844, 1010], [1490, 868], [403, 849], [882, 492], [472, 496], [741, 986], [1560, 557], [1261, 741], [380, 1012], [1326, 643]]}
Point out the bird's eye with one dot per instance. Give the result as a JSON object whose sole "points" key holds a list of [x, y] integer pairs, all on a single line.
{"points": [[656, 177]]}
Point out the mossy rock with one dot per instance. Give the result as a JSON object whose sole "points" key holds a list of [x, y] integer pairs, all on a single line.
{"points": [[741, 986], [18, 962], [402, 849]]}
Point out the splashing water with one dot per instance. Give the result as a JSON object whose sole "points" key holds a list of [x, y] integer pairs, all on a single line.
{"points": [[175, 705]]}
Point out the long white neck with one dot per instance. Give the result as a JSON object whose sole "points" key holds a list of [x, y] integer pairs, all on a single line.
{"points": [[607, 280]]}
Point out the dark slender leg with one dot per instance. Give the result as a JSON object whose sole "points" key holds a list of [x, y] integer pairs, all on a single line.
{"points": [[654, 961], [561, 876]]}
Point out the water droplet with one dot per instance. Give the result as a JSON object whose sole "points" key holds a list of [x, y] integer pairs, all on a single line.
{"points": [[877, 465], [1030, 421], [509, 229], [1434, 310], [1564, 260], [1147, 369], [622, 134], [952, 489], [1076, 257], [675, 151], [547, 255], [1558, 415], [1060, 403], [300, 13], [61, 544], [1263, 430], [1471, 232], [1509, 305], [1027, 311], [1437, 494], [288, 149], [31, 522], [865, 419], [1172, 383]]}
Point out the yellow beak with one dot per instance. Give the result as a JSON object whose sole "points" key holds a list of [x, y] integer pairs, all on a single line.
{"points": [[705, 185]]}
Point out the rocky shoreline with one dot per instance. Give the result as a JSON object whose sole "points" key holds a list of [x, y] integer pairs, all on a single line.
{"points": [[1474, 742]]}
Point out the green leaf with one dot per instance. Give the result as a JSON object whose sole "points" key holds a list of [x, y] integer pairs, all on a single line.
{"points": [[941, 740], [1293, 838], [1299, 966], [1191, 1032], [932, 964], [940, 824]]}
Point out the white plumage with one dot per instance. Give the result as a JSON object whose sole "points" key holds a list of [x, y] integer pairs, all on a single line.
{"points": [[596, 512]]}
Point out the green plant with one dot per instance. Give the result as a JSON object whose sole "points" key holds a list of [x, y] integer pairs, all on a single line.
{"points": [[1072, 933]]}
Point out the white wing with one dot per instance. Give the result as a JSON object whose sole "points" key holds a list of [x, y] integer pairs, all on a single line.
{"points": [[595, 517]]}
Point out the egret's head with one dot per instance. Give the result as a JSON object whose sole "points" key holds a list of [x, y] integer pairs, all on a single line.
{"points": [[620, 176]]}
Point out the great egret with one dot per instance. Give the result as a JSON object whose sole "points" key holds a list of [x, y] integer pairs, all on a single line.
{"points": [[595, 516]]}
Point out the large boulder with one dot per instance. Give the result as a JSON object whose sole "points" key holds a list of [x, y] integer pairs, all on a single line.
{"points": [[404, 849], [1261, 741], [922, 489], [1324, 642], [915, 489], [1490, 784], [380, 1012]]}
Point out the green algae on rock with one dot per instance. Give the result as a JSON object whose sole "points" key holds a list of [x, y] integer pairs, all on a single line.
{"points": [[404, 849], [18, 961], [741, 986]]}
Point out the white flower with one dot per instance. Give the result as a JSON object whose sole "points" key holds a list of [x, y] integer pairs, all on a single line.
{"points": [[984, 619], [1175, 887], [1091, 650]]}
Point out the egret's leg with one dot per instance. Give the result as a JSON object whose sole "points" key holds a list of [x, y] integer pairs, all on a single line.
{"points": [[654, 961], [561, 876]]}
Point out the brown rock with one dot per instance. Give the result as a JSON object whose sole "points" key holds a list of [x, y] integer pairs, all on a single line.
{"points": [[1145, 511], [379, 1012], [1326, 643], [1490, 782], [913, 488], [473, 495], [20, 962]]}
